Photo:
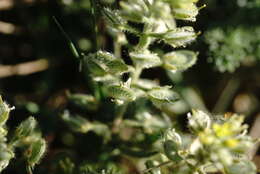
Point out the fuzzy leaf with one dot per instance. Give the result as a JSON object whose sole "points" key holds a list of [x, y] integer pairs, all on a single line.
{"points": [[6, 155], [84, 101], [4, 112], [103, 63], [134, 10], [25, 128], [117, 22], [145, 59], [76, 123], [189, 13], [121, 92], [179, 60], [162, 95], [36, 152], [146, 84], [177, 37]]}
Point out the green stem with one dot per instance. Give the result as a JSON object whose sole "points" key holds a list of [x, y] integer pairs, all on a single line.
{"points": [[117, 49], [95, 27], [143, 44], [119, 117], [71, 44], [136, 74], [145, 40]]}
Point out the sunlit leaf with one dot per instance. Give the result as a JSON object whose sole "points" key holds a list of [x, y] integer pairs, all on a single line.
{"points": [[179, 60], [162, 95], [145, 59], [103, 63], [121, 92]]}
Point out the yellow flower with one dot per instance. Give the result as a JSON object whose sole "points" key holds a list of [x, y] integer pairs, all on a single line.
{"points": [[232, 143], [223, 130]]}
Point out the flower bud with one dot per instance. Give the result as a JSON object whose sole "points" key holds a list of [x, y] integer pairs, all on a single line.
{"points": [[36, 152], [171, 149], [198, 120], [25, 128], [4, 112], [171, 134]]}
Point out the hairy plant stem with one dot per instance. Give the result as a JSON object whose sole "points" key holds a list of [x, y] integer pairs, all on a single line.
{"points": [[144, 40], [136, 74], [143, 44], [117, 49], [119, 117]]}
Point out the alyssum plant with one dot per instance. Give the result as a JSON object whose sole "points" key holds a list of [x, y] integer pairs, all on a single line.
{"points": [[26, 138], [142, 129], [141, 106]]}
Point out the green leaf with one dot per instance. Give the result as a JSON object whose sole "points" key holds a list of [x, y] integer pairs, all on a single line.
{"points": [[179, 60], [4, 112], [116, 21], [6, 155], [177, 37], [25, 128], [70, 43], [36, 152], [145, 59], [146, 84], [162, 95], [80, 124], [134, 10], [121, 92], [76, 123], [171, 149], [188, 13], [103, 63], [84, 101]]}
